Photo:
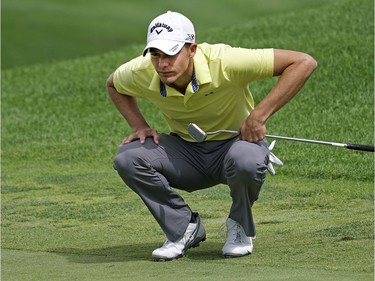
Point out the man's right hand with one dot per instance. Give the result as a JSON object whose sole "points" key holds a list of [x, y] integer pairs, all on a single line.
{"points": [[142, 134], [127, 106]]}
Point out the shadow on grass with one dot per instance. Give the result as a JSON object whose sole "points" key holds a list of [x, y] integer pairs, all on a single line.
{"points": [[134, 252]]}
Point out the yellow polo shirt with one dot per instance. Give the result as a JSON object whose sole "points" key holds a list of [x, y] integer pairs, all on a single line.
{"points": [[218, 96]]}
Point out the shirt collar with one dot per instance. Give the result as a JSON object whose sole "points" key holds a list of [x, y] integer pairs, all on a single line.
{"points": [[194, 85], [201, 75]]}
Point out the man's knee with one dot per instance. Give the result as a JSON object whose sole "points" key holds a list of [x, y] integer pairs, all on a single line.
{"points": [[247, 161], [124, 163], [133, 154]]}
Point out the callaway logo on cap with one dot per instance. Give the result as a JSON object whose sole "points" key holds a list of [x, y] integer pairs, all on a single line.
{"points": [[169, 32]]}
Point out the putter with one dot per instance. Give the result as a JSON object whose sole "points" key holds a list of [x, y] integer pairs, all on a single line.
{"points": [[199, 136]]}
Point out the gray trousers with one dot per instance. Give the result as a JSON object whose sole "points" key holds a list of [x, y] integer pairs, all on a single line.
{"points": [[152, 170]]}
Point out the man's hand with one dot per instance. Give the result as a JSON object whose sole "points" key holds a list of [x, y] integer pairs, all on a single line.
{"points": [[253, 130], [142, 134], [293, 69], [127, 106]]}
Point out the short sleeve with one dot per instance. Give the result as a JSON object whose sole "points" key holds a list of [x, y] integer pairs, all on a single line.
{"points": [[242, 65]]}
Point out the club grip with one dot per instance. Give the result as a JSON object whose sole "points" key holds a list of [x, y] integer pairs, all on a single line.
{"points": [[361, 147]]}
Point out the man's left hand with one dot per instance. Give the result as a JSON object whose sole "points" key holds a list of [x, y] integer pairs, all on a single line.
{"points": [[253, 130]]}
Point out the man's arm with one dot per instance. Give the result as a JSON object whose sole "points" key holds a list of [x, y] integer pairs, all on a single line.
{"points": [[129, 109], [294, 68]]}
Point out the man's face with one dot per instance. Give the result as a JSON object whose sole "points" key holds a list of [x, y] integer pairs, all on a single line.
{"points": [[172, 69]]}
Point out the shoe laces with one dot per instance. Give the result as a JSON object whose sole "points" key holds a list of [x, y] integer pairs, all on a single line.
{"points": [[236, 233]]}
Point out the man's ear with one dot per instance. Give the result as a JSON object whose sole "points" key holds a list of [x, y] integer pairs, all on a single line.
{"points": [[192, 49]]}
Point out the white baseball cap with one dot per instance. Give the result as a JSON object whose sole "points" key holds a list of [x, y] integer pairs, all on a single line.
{"points": [[169, 32]]}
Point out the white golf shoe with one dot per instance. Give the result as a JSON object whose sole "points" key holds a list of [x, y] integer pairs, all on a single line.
{"points": [[194, 235], [237, 244]]}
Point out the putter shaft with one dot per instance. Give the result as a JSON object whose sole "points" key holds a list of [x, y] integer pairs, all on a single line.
{"points": [[199, 135]]}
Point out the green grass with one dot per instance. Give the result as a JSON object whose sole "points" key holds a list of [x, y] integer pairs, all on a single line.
{"points": [[65, 212], [35, 31]]}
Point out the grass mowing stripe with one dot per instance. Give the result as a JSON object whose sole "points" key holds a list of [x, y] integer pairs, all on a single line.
{"points": [[59, 30]]}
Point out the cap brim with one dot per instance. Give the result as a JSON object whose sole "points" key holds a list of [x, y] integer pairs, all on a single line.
{"points": [[166, 46]]}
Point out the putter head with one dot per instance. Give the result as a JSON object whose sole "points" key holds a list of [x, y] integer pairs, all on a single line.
{"points": [[196, 133]]}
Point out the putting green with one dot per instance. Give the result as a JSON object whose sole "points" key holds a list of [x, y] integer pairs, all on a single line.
{"points": [[23, 265]]}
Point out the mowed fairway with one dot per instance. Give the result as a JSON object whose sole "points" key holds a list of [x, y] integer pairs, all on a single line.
{"points": [[66, 215], [35, 31]]}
